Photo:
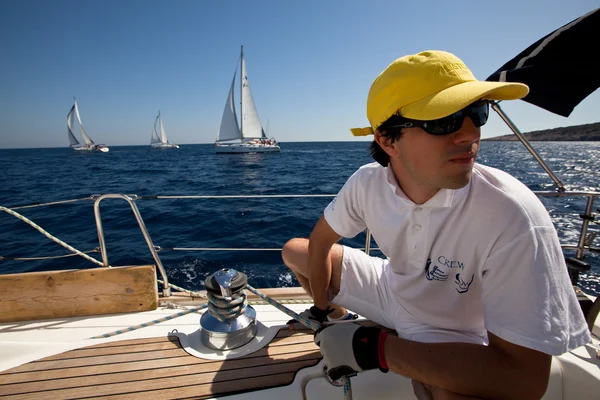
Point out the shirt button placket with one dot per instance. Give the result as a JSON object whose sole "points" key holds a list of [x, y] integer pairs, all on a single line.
{"points": [[417, 227]]}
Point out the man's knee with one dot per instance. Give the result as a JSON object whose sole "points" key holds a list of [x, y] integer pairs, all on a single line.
{"points": [[295, 252]]}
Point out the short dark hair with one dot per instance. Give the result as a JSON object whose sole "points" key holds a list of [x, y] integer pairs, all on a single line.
{"points": [[394, 134]]}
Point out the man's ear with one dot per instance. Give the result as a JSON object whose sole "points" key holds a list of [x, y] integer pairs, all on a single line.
{"points": [[385, 142]]}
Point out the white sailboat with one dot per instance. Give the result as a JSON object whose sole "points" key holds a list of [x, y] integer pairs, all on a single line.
{"points": [[89, 143], [248, 136], [159, 136]]}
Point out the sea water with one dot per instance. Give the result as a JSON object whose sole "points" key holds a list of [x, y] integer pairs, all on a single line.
{"points": [[47, 175]]}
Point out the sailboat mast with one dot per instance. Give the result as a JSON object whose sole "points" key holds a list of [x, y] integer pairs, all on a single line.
{"points": [[241, 94]]}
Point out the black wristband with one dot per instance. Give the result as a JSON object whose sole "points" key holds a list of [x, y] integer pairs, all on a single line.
{"points": [[365, 345]]}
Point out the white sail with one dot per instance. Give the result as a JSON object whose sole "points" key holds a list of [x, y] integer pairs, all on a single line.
{"points": [[70, 119], [251, 126], [247, 135], [86, 138], [229, 129], [155, 137], [75, 144], [163, 133], [159, 136]]}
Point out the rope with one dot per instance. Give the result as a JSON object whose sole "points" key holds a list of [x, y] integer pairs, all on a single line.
{"points": [[193, 294], [49, 236], [225, 310], [153, 322], [289, 301], [304, 321], [52, 203], [45, 257]]}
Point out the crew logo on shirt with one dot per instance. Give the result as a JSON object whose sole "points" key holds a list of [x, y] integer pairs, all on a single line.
{"points": [[443, 267]]}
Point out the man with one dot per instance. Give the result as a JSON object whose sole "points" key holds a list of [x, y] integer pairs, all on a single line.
{"points": [[474, 282]]}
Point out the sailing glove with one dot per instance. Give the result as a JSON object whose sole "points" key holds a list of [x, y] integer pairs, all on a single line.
{"points": [[350, 348], [314, 313]]}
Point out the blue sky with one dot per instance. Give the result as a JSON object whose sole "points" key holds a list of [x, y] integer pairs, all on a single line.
{"points": [[310, 63]]}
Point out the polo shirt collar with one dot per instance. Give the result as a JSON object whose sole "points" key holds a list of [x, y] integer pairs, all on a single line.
{"points": [[444, 198]]}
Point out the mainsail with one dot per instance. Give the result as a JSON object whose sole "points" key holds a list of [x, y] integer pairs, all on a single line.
{"points": [[70, 119], [251, 126], [84, 135], [159, 135], [229, 124], [163, 133]]}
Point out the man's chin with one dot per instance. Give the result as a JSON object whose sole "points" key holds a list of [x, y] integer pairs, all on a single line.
{"points": [[457, 182]]}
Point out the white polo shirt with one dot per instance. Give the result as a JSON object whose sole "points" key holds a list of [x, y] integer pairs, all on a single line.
{"points": [[483, 257]]}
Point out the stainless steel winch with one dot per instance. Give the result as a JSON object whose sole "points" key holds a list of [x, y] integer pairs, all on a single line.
{"points": [[229, 322]]}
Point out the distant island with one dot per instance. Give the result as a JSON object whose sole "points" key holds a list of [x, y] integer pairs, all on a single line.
{"points": [[576, 133]]}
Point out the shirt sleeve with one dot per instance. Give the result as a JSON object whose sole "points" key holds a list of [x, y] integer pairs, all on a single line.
{"points": [[528, 297], [345, 212]]}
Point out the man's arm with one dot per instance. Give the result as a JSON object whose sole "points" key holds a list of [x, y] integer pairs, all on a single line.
{"points": [[501, 370], [322, 238]]}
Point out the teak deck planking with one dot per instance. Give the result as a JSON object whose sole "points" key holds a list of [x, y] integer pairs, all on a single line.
{"points": [[159, 368]]}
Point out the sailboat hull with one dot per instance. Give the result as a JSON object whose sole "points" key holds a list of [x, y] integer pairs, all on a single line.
{"points": [[246, 148], [100, 148], [163, 146]]}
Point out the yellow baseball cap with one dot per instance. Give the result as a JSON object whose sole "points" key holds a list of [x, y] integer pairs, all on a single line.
{"points": [[429, 85]]}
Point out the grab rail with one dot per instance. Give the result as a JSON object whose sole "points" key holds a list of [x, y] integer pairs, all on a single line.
{"points": [[138, 216]]}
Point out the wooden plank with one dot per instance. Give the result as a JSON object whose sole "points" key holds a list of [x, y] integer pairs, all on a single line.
{"points": [[159, 368], [127, 342], [166, 343], [284, 345], [160, 365], [205, 383], [61, 294], [106, 351], [150, 372], [220, 389]]}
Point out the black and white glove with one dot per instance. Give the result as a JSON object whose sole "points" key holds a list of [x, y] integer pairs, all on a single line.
{"points": [[314, 313], [348, 349]]}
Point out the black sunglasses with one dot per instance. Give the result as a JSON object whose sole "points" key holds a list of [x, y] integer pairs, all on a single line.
{"points": [[478, 112]]}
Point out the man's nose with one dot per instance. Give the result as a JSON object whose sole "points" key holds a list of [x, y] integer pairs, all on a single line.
{"points": [[468, 132]]}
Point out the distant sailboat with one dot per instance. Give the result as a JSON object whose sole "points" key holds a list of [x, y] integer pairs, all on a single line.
{"points": [[248, 136], [159, 136], [89, 143]]}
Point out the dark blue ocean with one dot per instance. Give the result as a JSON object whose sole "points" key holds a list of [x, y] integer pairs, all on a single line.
{"points": [[48, 175]]}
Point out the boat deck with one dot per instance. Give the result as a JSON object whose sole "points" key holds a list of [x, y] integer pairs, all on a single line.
{"points": [[158, 368]]}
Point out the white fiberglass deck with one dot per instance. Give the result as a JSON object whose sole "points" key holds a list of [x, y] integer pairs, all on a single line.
{"points": [[56, 359]]}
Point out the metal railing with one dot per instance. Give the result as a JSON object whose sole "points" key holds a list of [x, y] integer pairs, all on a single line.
{"points": [[583, 245], [140, 220]]}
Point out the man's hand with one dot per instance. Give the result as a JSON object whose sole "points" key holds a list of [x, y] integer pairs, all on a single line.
{"points": [[348, 349], [314, 313]]}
